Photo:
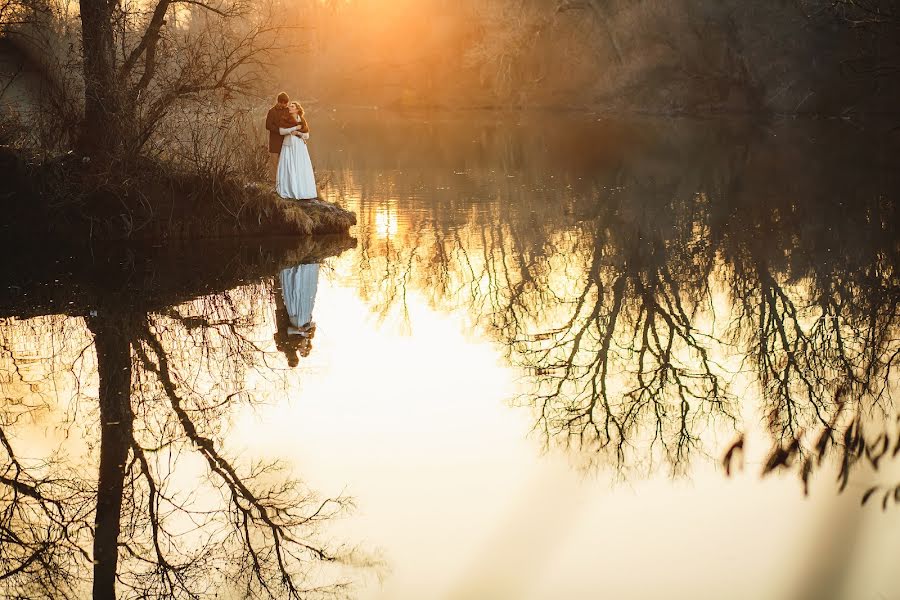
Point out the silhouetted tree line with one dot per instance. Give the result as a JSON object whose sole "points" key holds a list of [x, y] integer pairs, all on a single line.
{"points": [[693, 56], [120, 72]]}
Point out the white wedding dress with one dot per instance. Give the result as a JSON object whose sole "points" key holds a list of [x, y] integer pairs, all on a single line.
{"points": [[295, 177], [299, 286]]}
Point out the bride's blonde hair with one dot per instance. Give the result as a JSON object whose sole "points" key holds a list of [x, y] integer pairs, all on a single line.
{"points": [[300, 110]]}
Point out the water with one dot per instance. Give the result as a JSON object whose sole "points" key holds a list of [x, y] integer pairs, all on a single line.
{"points": [[524, 378]]}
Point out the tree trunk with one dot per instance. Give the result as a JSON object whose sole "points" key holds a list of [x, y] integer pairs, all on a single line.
{"points": [[113, 348], [101, 131]]}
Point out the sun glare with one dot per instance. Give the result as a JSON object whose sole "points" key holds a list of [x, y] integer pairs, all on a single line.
{"points": [[386, 222]]}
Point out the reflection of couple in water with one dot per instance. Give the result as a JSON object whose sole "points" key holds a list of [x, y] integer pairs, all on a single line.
{"points": [[293, 316]]}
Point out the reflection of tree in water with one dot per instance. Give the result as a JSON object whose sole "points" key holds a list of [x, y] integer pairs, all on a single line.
{"points": [[173, 513], [820, 323], [690, 280], [623, 363]]}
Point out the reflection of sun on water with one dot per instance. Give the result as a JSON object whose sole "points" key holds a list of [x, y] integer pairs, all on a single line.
{"points": [[385, 222]]}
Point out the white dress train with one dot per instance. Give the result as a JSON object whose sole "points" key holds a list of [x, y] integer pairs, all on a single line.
{"points": [[295, 177], [298, 286]]}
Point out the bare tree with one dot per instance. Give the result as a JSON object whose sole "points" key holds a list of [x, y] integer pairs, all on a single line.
{"points": [[138, 60]]}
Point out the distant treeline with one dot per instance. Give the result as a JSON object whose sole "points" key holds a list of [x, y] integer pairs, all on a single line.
{"points": [[161, 63], [822, 57]]}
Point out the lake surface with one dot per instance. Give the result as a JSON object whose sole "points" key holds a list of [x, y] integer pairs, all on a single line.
{"points": [[565, 357]]}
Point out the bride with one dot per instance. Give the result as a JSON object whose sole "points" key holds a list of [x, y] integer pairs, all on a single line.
{"points": [[295, 177]]}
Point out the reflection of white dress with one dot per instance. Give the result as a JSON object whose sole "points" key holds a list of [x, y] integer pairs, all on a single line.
{"points": [[298, 286], [295, 177]]}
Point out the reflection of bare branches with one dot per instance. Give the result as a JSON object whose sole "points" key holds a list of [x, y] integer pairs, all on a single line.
{"points": [[168, 381], [826, 350], [43, 509], [642, 303], [40, 527], [627, 366], [269, 523]]}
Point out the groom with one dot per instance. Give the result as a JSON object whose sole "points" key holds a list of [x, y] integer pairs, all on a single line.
{"points": [[276, 115]]}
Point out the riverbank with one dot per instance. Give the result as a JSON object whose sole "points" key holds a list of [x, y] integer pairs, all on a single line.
{"points": [[70, 198], [75, 279]]}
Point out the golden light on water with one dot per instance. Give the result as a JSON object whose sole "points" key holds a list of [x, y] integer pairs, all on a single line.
{"points": [[415, 424], [364, 415], [458, 320], [386, 226]]}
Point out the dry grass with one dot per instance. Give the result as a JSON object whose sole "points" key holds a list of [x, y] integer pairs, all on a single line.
{"points": [[152, 200]]}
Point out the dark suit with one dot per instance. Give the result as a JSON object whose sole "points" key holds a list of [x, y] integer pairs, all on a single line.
{"points": [[274, 119]]}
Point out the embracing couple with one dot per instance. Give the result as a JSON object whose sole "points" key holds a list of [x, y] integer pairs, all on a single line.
{"points": [[289, 156]]}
